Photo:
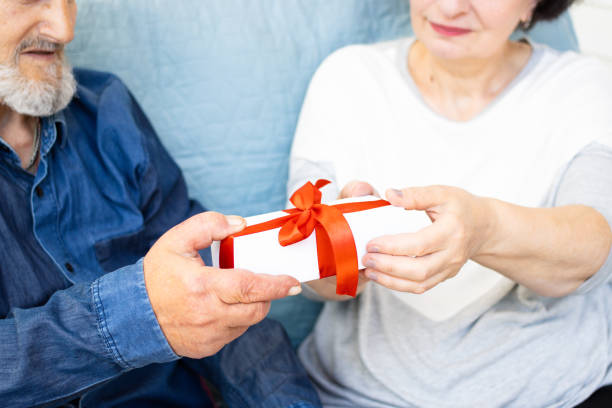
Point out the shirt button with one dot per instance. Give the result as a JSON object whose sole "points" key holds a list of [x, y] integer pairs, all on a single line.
{"points": [[69, 267], [4, 148], [39, 191]]}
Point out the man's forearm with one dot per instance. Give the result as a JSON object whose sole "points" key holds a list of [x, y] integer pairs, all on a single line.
{"points": [[71, 343], [44, 354], [552, 251]]}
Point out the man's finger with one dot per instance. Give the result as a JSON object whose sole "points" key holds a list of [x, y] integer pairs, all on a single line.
{"points": [[199, 231], [246, 314], [238, 286]]}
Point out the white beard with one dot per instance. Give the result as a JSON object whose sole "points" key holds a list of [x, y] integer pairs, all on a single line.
{"points": [[37, 98]]}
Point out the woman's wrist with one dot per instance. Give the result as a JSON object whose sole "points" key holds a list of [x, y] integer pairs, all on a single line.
{"points": [[486, 227], [326, 288]]}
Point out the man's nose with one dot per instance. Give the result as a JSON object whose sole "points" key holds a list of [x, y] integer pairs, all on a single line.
{"points": [[59, 20]]}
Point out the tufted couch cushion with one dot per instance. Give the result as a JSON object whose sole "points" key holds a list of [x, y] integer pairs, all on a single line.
{"points": [[223, 82]]}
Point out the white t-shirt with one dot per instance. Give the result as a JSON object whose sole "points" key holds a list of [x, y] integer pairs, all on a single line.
{"points": [[364, 118]]}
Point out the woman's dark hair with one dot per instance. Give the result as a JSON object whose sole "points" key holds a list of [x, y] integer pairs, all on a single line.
{"points": [[548, 10]]}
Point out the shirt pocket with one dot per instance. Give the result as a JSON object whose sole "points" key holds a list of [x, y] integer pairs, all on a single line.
{"points": [[118, 251]]}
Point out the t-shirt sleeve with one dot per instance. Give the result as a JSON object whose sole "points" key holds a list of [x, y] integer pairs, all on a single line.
{"points": [[588, 181], [321, 128]]}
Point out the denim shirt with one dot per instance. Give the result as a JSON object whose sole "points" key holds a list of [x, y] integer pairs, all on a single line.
{"points": [[74, 310]]}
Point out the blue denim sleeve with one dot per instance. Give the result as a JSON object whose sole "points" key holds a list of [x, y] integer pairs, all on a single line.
{"points": [[78, 339], [126, 320], [130, 330], [137, 340]]}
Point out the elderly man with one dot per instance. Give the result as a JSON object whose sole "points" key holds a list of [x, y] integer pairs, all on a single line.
{"points": [[86, 189]]}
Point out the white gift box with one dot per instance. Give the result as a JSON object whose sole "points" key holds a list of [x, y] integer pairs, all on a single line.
{"points": [[261, 252]]}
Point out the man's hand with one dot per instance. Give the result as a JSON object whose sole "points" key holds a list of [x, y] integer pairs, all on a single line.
{"points": [[199, 308]]}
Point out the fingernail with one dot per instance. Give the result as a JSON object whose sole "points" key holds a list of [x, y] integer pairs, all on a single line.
{"points": [[296, 290], [398, 193], [234, 220], [371, 275], [373, 249], [369, 263]]}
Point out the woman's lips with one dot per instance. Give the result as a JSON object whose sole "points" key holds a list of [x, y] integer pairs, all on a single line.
{"points": [[449, 31]]}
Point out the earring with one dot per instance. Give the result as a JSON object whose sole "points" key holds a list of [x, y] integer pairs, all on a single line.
{"points": [[526, 24]]}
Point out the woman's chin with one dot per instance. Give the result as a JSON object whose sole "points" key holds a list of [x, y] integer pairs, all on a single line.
{"points": [[448, 49], [448, 53]]}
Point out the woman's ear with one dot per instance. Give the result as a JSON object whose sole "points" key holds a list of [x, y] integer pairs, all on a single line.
{"points": [[528, 14]]}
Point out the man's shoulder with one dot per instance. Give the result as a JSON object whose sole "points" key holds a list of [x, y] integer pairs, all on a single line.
{"points": [[104, 113], [97, 90], [103, 95], [96, 82]]}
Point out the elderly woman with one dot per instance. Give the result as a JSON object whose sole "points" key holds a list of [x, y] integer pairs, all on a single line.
{"points": [[503, 299]]}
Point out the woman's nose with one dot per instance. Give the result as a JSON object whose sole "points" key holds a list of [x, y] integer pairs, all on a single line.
{"points": [[453, 8]]}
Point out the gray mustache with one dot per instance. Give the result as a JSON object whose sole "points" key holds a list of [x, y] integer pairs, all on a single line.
{"points": [[39, 44]]}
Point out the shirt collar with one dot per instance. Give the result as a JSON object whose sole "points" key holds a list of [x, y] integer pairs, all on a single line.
{"points": [[53, 130]]}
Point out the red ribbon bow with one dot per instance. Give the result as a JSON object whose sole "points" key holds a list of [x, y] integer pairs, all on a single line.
{"points": [[336, 250]]}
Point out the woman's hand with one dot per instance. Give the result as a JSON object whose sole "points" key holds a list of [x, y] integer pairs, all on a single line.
{"points": [[551, 251], [416, 262], [357, 188]]}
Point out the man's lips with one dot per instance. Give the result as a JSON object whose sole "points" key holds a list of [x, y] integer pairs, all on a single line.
{"points": [[448, 30], [40, 54]]}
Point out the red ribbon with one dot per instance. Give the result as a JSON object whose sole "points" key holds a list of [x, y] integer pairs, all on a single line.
{"points": [[336, 251]]}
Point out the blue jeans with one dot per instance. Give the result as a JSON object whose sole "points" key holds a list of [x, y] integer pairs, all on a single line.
{"points": [[258, 370]]}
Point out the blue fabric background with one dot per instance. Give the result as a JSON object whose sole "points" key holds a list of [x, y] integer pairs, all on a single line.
{"points": [[223, 82]]}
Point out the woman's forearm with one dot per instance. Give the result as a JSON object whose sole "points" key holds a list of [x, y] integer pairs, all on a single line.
{"points": [[552, 251]]}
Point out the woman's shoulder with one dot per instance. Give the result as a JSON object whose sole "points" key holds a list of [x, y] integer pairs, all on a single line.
{"points": [[570, 82], [570, 66], [576, 90]]}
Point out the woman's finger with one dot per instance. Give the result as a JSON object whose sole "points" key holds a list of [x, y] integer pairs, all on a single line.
{"points": [[416, 269], [403, 285], [430, 239], [357, 188], [418, 198]]}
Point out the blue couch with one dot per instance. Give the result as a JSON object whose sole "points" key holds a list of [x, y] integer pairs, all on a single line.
{"points": [[223, 82]]}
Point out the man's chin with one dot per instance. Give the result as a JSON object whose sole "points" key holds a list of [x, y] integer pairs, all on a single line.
{"points": [[37, 91], [48, 72]]}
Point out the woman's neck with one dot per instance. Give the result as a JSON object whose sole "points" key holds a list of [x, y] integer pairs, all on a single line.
{"points": [[461, 89]]}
